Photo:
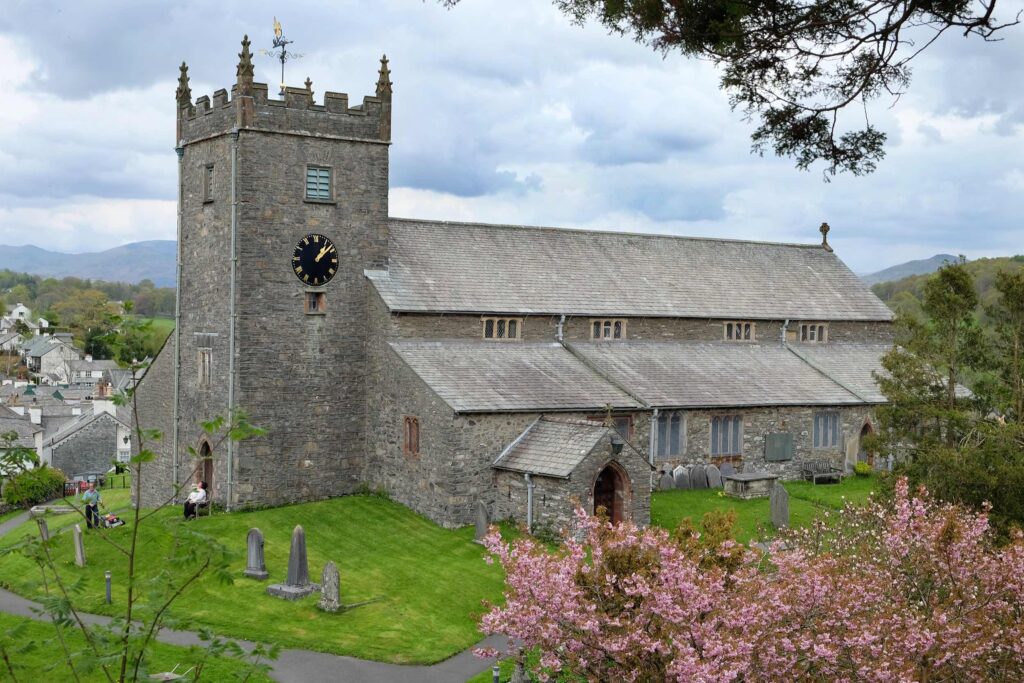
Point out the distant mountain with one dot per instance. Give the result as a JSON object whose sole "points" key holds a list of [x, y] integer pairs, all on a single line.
{"points": [[898, 272], [152, 259]]}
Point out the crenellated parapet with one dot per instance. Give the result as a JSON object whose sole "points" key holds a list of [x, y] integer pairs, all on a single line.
{"points": [[248, 105]]}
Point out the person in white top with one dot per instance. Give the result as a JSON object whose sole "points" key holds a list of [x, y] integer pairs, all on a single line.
{"points": [[196, 498]]}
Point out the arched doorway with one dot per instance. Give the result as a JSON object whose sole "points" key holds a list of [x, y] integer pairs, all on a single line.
{"points": [[206, 468], [610, 490], [862, 453]]}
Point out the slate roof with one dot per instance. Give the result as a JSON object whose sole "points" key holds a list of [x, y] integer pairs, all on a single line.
{"points": [[552, 448], [476, 268], [494, 377], [21, 424], [710, 374], [90, 365], [79, 423], [849, 364]]}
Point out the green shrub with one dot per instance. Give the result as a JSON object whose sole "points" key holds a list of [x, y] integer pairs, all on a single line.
{"points": [[862, 469], [33, 486]]}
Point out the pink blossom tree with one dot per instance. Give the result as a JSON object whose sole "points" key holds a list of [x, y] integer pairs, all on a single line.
{"points": [[909, 590]]}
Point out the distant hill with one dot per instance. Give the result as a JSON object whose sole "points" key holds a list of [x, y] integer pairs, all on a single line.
{"points": [[904, 295], [152, 259], [898, 272]]}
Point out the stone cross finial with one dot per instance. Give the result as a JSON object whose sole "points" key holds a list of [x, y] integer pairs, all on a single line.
{"points": [[245, 69], [384, 78], [184, 93], [824, 236]]}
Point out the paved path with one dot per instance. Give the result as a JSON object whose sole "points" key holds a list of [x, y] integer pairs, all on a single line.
{"points": [[302, 666]]}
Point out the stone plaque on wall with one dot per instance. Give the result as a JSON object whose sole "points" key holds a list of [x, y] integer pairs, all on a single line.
{"points": [[778, 447]]}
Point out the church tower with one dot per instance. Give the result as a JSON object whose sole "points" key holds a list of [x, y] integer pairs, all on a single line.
{"points": [[282, 204]]}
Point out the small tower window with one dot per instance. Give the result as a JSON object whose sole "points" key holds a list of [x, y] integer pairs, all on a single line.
{"points": [[411, 436], [205, 367], [318, 183], [316, 303], [208, 183]]}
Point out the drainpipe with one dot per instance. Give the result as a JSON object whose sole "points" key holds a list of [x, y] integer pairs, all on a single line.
{"points": [[529, 503], [784, 326], [231, 312], [177, 327], [653, 441], [561, 323]]}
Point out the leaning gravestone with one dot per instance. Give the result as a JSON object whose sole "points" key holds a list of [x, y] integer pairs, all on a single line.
{"points": [[44, 530], [330, 589], [726, 469], [298, 584], [255, 567], [483, 521], [79, 545], [698, 478], [714, 476], [679, 478], [666, 482], [778, 500]]}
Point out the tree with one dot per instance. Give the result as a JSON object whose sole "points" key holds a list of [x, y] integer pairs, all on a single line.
{"points": [[1008, 315], [91, 318], [910, 590], [120, 651], [796, 65]]}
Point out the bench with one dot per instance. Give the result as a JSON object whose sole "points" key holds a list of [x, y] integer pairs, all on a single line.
{"points": [[821, 469]]}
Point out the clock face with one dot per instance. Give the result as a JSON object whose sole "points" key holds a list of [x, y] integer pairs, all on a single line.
{"points": [[315, 260]]}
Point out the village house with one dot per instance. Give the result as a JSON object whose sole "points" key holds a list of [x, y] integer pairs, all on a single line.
{"points": [[458, 364], [50, 357]]}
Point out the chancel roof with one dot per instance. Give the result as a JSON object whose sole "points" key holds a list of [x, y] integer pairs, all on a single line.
{"points": [[476, 268]]}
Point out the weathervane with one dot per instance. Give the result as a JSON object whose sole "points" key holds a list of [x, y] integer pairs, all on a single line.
{"points": [[281, 50]]}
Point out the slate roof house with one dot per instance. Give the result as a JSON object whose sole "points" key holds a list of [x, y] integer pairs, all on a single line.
{"points": [[454, 363]]}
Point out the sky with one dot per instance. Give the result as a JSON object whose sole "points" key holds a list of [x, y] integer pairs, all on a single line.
{"points": [[504, 112]]}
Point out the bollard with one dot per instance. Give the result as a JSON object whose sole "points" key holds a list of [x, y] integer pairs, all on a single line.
{"points": [[495, 674], [107, 575]]}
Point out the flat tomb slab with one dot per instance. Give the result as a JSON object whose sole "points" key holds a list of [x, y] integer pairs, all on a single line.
{"points": [[749, 484], [283, 590]]}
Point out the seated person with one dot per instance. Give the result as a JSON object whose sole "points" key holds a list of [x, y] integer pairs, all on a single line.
{"points": [[195, 499]]}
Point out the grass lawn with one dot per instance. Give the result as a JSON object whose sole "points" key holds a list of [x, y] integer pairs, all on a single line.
{"points": [[35, 664], [426, 584], [753, 520]]}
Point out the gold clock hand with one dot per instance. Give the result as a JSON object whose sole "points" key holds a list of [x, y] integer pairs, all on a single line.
{"points": [[321, 254]]}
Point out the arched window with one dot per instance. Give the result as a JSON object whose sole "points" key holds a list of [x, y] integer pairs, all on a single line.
{"points": [[411, 436]]}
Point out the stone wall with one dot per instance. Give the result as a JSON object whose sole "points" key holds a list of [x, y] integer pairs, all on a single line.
{"points": [[154, 403], [93, 448], [758, 422], [544, 328]]}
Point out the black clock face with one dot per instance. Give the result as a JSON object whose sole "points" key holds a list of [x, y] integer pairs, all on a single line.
{"points": [[315, 260]]}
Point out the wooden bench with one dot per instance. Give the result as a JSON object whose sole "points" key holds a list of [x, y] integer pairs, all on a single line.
{"points": [[821, 469]]}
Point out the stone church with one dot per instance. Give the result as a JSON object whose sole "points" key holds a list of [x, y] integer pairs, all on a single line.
{"points": [[451, 363]]}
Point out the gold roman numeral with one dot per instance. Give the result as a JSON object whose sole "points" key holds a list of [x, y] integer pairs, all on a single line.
{"points": [[334, 261], [330, 271], [298, 269], [306, 277], [305, 240], [316, 238]]}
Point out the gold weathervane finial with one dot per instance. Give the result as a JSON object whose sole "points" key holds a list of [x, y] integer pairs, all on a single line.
{"points": [[277, 28]]}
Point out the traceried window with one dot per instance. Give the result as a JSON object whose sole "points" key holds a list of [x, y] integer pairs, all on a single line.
{"points": [[208, 183], [671, 434], [607, 328], [814, 333], [826, 430], [738, 330], [318, 183], [502, 328], [727, 435], [411, 436], [205, 360]]}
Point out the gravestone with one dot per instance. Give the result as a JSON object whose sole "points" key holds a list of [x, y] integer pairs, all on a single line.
{"points": [[255, 567], [666, 482], [726, 469], [778, 500], [679, 478], [79, 545], [330, 589], [483, 521], [44, 530], [714, 476], [298, 585], [698, 477]]}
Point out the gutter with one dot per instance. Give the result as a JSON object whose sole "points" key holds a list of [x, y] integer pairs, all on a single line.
{"points": [[232, 314], [177, 328]]}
